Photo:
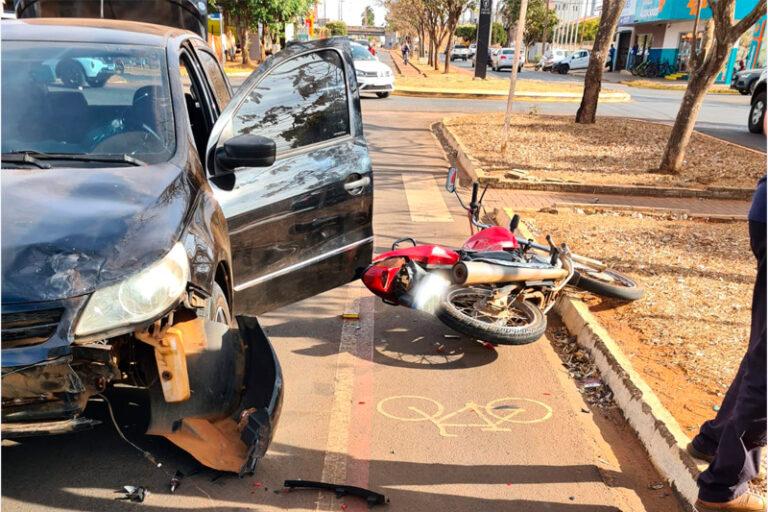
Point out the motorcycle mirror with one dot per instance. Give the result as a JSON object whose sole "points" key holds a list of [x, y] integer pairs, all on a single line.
{"points": [[450, 180], [514, 222]]}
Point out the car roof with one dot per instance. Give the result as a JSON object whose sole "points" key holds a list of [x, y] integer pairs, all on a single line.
{"points": [[89, 30]]}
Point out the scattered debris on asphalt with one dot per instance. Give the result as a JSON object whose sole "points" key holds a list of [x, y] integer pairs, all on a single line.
{"points": [[341, 490], [176, 481], [350, 316], [133, 493]]}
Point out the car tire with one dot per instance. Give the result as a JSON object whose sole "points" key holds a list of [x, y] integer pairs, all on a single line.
{"points": [[563, 70], [743, 92], [382, 94], [217, 309], [97, 81], [519, 69], [71, 73], [757, 113]]}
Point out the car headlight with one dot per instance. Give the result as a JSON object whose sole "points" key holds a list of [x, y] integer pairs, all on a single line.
{"points": [[138, 298]]}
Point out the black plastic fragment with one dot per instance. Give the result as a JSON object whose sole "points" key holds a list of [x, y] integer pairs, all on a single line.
{"points": [[371, 497]]}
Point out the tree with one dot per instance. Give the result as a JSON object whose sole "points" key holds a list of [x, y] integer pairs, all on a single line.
{"points": [[368, 16], [588, 29], [435, 21], [594, 77], [539, 20], [453, 9], [336, 28], [498, 34], [513, 78], [704, 64], [467, 32], [272, 14], [408, 17]]}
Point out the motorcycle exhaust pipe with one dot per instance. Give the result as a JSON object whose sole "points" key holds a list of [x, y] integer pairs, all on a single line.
{"points": [[478, 272]]}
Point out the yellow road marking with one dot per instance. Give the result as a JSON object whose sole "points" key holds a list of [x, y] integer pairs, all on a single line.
{"points": [[425, 201], [421, 408]]}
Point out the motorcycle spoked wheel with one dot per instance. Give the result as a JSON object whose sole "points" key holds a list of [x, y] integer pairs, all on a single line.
{"points": [[519, 324], [606, 283]]}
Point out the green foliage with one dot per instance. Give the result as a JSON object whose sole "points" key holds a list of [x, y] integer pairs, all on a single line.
{"points": [[467, 32], [537, 20], [336, 28], [267, 12], [588, 29], [498, 34], [368, 17]]}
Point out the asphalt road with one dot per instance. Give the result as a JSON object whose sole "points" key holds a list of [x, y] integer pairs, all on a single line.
{"points": [[386, 401], [724, 116]]}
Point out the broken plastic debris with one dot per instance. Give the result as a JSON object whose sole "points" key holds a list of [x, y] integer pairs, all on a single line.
{"points": [[133, 493], [716, 408], [371, 497], [591, 383], [451, 336], [489, 346], [350, 316], [176, 481]]}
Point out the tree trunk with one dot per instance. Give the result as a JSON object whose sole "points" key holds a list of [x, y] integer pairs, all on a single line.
{"points": [[520, 29], [698, 83], [421, 42], [431, 56], [243, 34], [594, 77], [436, 61], [448, 53]]}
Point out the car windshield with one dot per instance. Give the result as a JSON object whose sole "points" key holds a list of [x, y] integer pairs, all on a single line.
{"points": [[460, 47], [508, 51], [360, 52], [86, 99]]}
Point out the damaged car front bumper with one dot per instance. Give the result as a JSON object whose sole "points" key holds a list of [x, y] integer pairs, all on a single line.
{"points": [[214, 390]]}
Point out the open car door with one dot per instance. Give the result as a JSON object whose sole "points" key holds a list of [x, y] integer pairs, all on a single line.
{"points": [[291, 171]]}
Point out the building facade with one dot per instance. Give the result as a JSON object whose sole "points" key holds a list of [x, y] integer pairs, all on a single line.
{"points": [[663, 32]]}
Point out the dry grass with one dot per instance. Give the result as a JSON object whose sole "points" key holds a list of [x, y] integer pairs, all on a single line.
{"points": [[238, 67], [688, 334], [676, 86], [463, 81], [614, 151]]}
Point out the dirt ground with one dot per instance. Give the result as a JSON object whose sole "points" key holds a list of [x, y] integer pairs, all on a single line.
{"points": [[614, 151], [675, 86], [687, 335]]}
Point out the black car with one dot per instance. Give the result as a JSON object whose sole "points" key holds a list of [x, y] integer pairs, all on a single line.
{"points": [[756, 120], [140, 216]]}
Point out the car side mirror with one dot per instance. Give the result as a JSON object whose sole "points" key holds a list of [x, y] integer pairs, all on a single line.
{"points": [[245, 151], [450, 180]]}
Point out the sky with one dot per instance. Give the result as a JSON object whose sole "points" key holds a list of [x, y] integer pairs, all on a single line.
{"points": [[352, 10]]}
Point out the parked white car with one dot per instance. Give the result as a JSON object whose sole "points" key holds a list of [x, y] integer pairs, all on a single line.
{"points": [[505, 57], [372, 74], [578, 60], [460, 51], [491, 53], [552, 57]]}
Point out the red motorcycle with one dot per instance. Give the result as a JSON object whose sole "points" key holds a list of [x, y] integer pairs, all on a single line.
{"points": [[497, 287]]}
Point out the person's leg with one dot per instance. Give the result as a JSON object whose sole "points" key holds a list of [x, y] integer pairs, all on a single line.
{"points": [[707, 440], [737, 460]]}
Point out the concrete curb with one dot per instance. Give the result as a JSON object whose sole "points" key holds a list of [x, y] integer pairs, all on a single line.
{"points": [[654, 425], [471, 167], [719, 92], [573, 97]]}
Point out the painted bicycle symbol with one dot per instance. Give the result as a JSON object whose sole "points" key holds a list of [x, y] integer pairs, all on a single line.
{"points": [[495, 416]]}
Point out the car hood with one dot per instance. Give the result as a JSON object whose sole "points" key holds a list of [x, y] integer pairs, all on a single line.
{"points": [[66, 232], [371, 65]]}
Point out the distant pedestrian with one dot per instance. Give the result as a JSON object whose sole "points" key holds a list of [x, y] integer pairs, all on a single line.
{"points": [[611, 54], [406, 50], [733, 441], [633, 56]]}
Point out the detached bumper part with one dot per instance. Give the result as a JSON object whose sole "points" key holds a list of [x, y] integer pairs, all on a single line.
{"points": [[235, 385]]}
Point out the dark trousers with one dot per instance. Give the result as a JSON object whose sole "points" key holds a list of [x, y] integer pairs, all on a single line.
{"points": [[737, 433]]}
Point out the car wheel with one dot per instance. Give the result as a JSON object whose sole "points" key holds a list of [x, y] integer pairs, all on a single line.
{"points": [[97, 81], [382, 94], [757, 114], [71, 73], [743, 92], [564, 70], [217, 309]]}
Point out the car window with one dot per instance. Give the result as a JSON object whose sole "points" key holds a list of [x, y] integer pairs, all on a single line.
{"points": [[360, 52], [302, 101], [215, 77], [508, 52], [200, 117], [86, 98]]}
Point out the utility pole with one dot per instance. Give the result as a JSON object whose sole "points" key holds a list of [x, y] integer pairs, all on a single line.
{"points": [[544, 32], [513, 78]]}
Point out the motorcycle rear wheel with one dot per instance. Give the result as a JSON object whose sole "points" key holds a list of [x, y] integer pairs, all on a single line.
{"points": [[520, 324]]}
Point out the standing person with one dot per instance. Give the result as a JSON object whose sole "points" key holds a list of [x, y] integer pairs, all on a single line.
{"points": [[733, 441], [611, 54], [632, 56]]}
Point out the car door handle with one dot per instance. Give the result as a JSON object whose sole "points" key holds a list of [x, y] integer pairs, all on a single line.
{"points": [[356, 187]]}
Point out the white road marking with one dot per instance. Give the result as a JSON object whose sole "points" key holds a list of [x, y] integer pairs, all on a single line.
{"points": [[353, 333], [425, 201]]}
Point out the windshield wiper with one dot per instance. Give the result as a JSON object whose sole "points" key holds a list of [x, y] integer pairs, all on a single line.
{"points": [[24, 158], [34, 157]]}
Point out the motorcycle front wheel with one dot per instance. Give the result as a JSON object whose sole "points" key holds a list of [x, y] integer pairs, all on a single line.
{"points": [[606, 283], [465, 310]]}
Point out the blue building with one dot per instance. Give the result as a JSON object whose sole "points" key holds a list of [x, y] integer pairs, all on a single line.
{"points": [[663, 32]]}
